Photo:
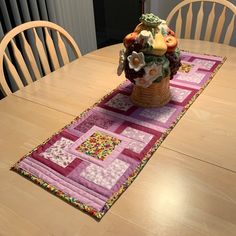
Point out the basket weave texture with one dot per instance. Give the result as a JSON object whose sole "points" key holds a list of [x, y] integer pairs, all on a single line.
{"points": [[156, 95]]}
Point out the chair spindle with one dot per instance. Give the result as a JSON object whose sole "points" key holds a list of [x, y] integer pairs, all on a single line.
{"points": [[21, 62], [30, 56], [41, 52], [188, 25], [13, 72], [51, 49], [62, 49]]}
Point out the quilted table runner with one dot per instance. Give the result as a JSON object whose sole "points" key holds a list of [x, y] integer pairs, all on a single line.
{"points": [[93, 160]]}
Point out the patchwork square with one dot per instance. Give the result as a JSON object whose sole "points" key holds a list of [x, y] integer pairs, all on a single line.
{"points": [[61, 161], [158, 118], [57, 154], [136, 146], [204, 63], [120, 101], [137, 134], [99, 145], [179, 94], [105, 177], [195, 77], [139, 139], [162, 114]]}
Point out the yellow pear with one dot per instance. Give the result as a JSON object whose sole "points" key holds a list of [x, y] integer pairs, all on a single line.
{"points": [[159, 45]]}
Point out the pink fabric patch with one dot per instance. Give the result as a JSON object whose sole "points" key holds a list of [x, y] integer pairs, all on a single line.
{"points": [[118, 102]]}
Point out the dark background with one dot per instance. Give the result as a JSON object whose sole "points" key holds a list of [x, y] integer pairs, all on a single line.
{"points": [[115, 19]]}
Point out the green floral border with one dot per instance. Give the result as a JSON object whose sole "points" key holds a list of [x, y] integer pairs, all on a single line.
{"points": [[83, 207]]}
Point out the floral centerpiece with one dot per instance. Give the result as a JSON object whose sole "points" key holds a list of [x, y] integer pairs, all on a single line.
{"points": [[150, 59]]}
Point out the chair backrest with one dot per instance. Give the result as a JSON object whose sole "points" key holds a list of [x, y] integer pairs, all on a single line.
{"points": [[51, 52], [209, 25]]}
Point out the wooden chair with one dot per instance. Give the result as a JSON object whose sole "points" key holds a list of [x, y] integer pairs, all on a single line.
{"points": [[209, 32], [48, 55]]}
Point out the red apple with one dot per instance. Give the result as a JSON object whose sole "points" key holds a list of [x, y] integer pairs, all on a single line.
{"points": [[171, 43], [171, 32], [130, 39]]}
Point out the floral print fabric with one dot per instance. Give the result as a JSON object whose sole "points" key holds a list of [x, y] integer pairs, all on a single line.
{"points": [[204, 64], [160, 114], [140, 139], [99, 145], [105, 177], [179, 94], [194, 77], [120, 101], [57, 154]]}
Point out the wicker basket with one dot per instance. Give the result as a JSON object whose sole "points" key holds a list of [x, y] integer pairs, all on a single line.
{"points": [[156, 95]]}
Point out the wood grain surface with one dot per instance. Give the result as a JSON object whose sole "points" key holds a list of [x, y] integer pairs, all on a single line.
{"points": [[187, 188]]}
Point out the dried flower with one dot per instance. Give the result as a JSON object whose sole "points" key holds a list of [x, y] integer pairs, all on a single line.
{"points": [[153, 71], [136, 61]]}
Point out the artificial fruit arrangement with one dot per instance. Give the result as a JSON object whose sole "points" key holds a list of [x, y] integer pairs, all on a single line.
{"points": [[150, 53]]}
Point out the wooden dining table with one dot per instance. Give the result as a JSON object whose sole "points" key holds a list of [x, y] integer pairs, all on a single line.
{"points": [[187, 188]]}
